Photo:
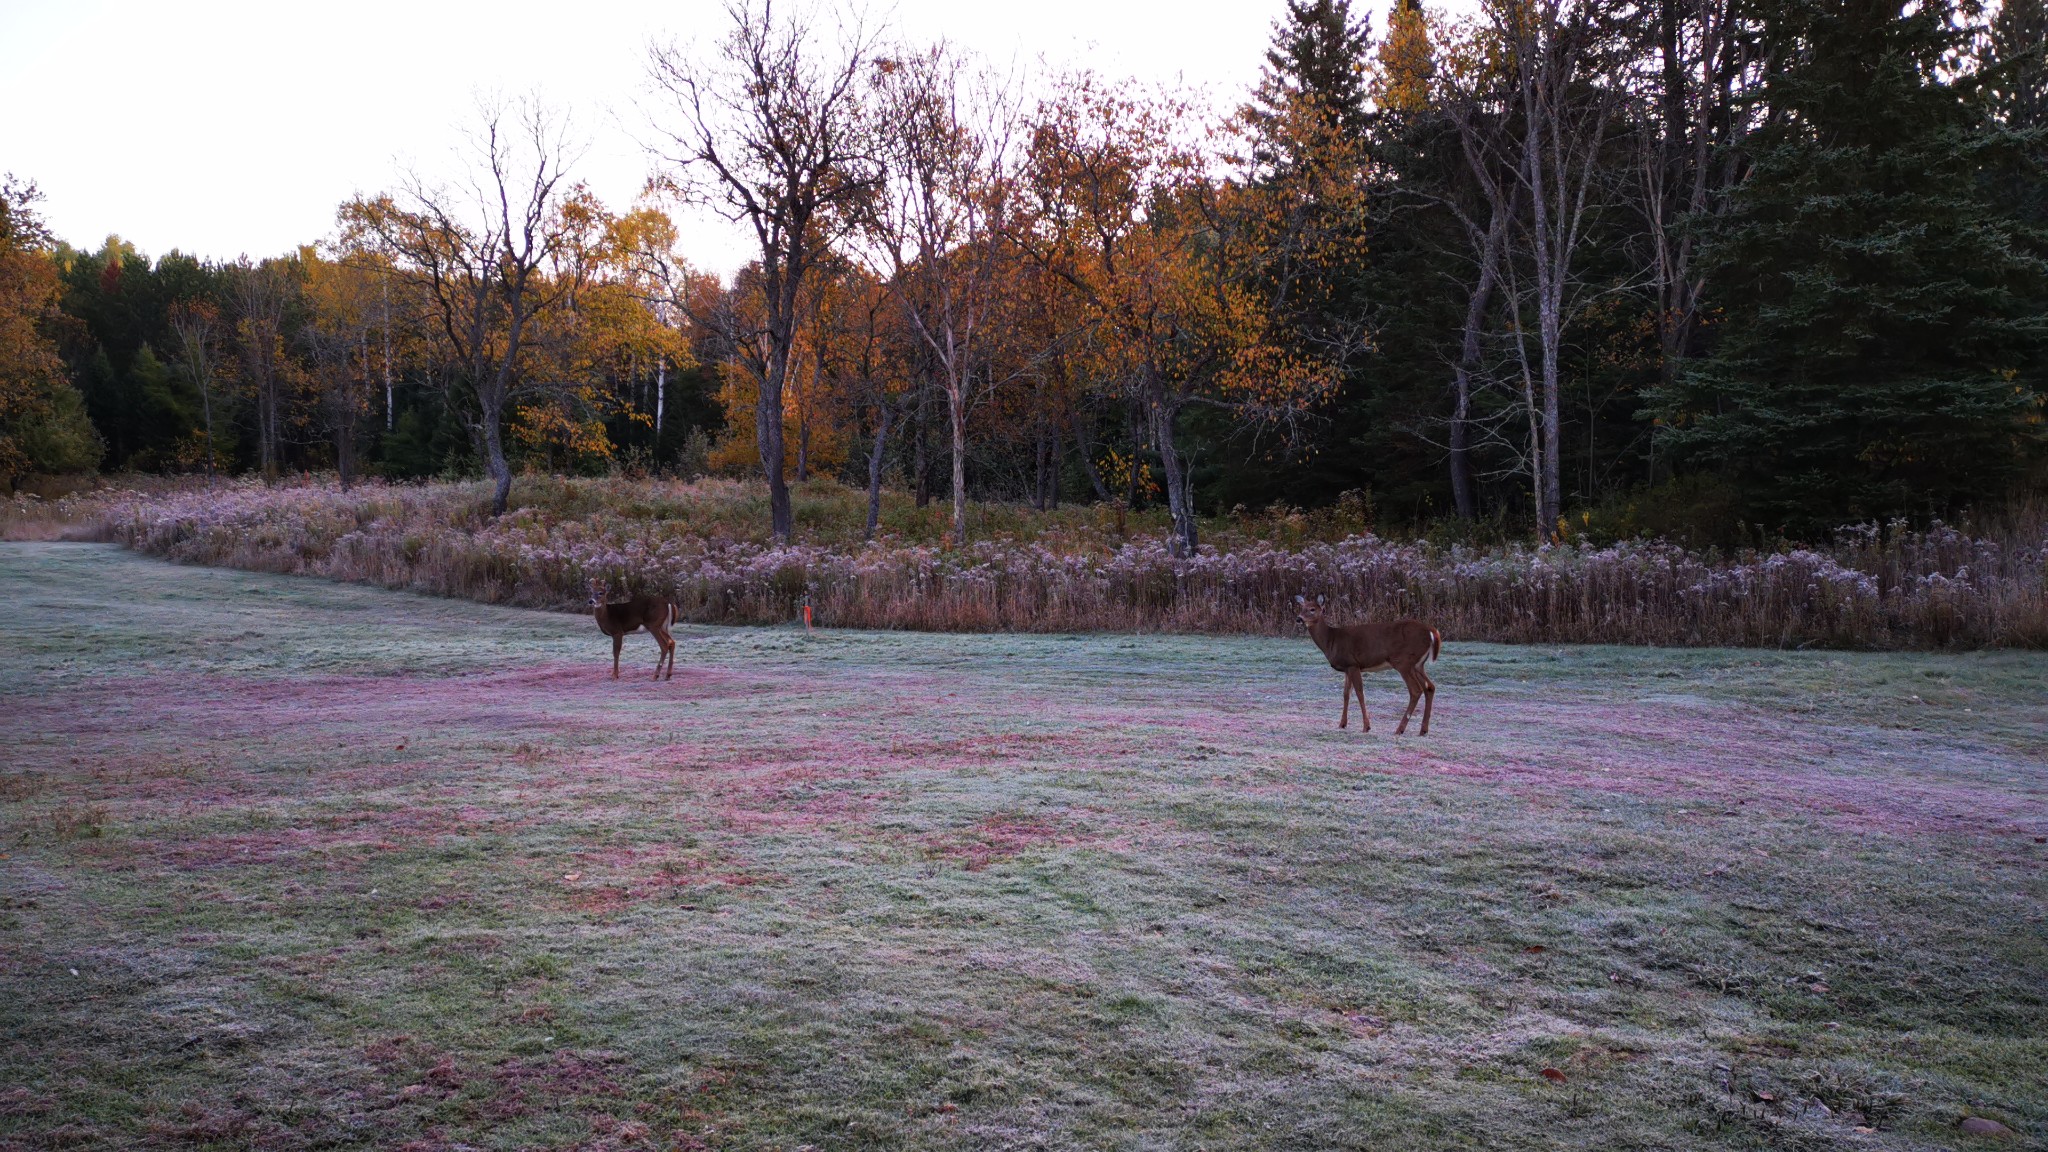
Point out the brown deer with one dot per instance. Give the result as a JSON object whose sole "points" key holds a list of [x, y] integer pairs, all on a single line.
{"points": [[618, 618], [1355, 649]]}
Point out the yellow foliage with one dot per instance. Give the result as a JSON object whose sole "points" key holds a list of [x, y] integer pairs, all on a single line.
{"points": [[1407, 63]]}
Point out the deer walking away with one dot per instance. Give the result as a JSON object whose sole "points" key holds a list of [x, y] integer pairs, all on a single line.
{"points": [[1355, 649], [620, 618]]}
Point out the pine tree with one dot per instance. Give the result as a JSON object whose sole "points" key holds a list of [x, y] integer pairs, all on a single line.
{"points": [[2018, 56], [1879, 319], [1318, 56]]}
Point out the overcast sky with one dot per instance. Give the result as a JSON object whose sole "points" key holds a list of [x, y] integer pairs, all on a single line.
{"points": [[222, 128]]}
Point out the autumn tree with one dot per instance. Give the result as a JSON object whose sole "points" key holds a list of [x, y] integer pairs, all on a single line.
{"points": [[1160, 251], [43, 425], [933, 231], [642, 272], [343, 315], [262, 291], [489, 260], [766, 129]]}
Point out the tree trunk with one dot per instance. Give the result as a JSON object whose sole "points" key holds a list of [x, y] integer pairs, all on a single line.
{"points": [[882, 414], [920, 468], [1468, 361], [206, 407], [494, 458], [389, 419], [1038, 466], [1052, 485], [956, 411], [1086, 448], [266, 428], [768, 436], [1179, 498], [803, 418], [344, 454], [660, 396], [1462, 497]]}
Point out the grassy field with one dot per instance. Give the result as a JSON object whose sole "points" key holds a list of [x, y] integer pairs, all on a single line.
{"points": [[287, 863]]}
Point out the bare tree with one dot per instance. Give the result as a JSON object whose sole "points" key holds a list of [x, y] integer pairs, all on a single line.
{"points": [[934, 230], [488, 258], [1565, 116], [1691, 161], [767, 131], [1533, 111]]}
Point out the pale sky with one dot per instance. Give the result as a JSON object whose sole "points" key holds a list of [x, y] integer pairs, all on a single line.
{"points": [[221, 127]]}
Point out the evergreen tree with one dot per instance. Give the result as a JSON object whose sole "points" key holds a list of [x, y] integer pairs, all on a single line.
{"points": [[2017, 49], [121, 319], [1318, 57], [1308, 122], [1881, 334]]}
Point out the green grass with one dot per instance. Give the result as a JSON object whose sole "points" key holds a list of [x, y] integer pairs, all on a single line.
{"points": [[885, 890]]}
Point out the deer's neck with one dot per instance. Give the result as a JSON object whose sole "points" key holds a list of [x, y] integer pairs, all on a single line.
{"points": [[1320, 632]]}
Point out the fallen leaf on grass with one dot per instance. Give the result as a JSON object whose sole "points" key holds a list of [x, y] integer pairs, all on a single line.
{"points": [[1817, 986], [572, 877], [1553, 1075], [1762, 1096], [1981, 1126], [1534, 948]]}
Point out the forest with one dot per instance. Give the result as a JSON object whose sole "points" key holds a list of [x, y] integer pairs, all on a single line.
{"points": [[1560, 268]]}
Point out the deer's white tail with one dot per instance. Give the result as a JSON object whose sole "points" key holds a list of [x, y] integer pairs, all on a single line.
{"points": [[1436, 643]]}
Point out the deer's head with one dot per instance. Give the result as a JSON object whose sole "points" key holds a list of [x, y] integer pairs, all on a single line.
{"points": [[1309, 614], [599, 593]]}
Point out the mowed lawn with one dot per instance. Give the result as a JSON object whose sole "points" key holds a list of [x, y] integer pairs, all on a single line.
{"points": [[293, 864]]}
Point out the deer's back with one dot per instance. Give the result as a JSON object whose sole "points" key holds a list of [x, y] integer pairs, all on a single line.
{"points": [[631, 615], [1368, 647]]}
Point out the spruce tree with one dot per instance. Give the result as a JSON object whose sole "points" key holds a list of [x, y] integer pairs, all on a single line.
{"points": [[1308, 121], [1318, 56], [1878, 313], [2018, 63]]}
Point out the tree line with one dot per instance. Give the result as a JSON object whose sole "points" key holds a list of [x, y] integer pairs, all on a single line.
{"points": [[1667, 266]]}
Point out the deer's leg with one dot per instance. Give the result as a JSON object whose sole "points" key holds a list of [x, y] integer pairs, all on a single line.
{"points": [[668, 653], [1408, 676], [1345, 720], [1428, 699], [618, 642], [1358, 686]]}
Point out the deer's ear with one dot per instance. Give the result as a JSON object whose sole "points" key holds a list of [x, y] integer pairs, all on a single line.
{"points": [[1322, 600], [1301, 600]]}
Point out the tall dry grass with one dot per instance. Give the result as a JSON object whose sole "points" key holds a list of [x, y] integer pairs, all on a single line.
{"points": [[1874, 588]]}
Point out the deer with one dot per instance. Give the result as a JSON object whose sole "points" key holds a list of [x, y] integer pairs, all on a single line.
{"points": [[619, 618], [1355, 649]]}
